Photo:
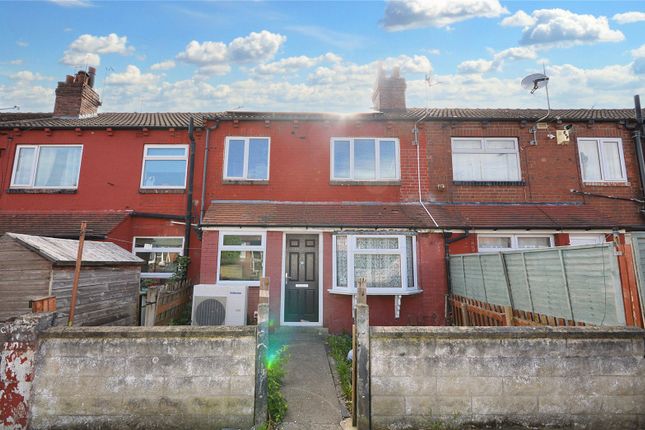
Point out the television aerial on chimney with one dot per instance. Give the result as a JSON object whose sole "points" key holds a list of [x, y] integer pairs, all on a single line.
{"points": [[534, 82]]}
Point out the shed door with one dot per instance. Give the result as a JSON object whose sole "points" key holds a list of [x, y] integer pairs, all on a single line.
{"points": [[301, 283]]}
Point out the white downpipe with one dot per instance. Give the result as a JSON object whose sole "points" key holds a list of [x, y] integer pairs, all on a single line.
{"points": [[416, 141]]}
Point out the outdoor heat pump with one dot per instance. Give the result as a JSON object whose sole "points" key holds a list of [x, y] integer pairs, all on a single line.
{"points": [[219, 305]]}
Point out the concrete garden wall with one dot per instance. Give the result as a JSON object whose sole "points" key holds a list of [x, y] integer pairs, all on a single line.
{"points": [[584, 376]]}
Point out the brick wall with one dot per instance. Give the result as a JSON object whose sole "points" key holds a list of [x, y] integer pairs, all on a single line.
{"points": [[579, 377], [153, 377]]}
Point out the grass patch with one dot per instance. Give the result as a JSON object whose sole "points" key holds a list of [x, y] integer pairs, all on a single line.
{"points": [[277, 404], [339, 346]]}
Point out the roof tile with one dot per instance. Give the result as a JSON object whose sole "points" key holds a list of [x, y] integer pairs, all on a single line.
{"points": [[60, 224]]}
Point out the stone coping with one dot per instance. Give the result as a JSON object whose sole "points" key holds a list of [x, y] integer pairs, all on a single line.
{"points": [[147, 332], [481, 333]]}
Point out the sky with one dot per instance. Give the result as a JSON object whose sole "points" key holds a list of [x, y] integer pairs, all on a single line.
{"points": [[322, 56]]}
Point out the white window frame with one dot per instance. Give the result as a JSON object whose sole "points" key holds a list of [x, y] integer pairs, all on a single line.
{"points": [[514, 241], [377, 154], [34, 167], [221, 247], [595, 238], [600, 141], [147, 157], [245, 173], [352, 250], [483, 149], [179, 250]]}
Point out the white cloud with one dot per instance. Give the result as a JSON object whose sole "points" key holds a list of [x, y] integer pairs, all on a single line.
{"points": [[638, 55], [30, 97], [475, 66], [629, 17], [293, 64], [518, 19], [562, 28], [131, 76], [72, 3], [329, 37], [22, 43], [29, 76], [16, 62], [638, 52], [405, 15], [163, 65], [215, 58], [255, 47], [86, 49]]}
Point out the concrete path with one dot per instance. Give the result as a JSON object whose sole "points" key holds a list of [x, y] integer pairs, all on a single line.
{"points": [[308, 383]]}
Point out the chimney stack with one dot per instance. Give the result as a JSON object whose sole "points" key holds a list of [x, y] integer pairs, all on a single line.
{"points": [[76, 98], [389, 93]]}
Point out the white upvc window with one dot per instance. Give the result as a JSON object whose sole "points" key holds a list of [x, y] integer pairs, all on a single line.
{"points": [[164, 166], [47, 166], [388, 263], [365, 159], [241, 258], [508, 242], [485, 159], [160, 254], [247, 158], [602, 160], [577, 239]]}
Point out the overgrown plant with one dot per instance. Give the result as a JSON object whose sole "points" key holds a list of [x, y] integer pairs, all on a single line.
{"points": [[181, 268], [339, 346], [277, 404]]}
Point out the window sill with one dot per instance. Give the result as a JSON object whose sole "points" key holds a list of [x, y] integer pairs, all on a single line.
{"points": [[376, 292], [162, 190], [364, 183], [490, 183], [607, 184], [41, 191], [245, 182]]}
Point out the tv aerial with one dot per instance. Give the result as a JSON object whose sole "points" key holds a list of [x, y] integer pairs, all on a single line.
{"points": [[532, 83]]}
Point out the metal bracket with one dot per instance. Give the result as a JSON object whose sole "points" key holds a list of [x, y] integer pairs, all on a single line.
{"points": [[397, 306]]}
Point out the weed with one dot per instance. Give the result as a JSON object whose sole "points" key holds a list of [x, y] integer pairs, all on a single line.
{"points": [[339, 346], [277, 404]]}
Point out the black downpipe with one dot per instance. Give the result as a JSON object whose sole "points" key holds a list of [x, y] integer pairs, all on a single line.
{"points": [[638, 134], [189, 198]]}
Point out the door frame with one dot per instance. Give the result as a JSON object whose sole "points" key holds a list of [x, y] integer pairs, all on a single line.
{"points": [[318, 323]]}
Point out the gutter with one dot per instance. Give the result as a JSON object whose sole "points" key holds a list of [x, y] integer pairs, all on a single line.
{"points": [[156, 215], [191, 182]]}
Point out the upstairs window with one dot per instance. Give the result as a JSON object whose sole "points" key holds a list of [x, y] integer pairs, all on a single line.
{"points": [[247, 158], [164, 166], [602, 160], [47, 166], [489, 159], [365, 159]]}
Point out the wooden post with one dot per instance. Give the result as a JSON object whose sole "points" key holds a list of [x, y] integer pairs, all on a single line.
{"points": [[261, 375], [464, 313], [151, 305], [77, 274], [508, 312]]}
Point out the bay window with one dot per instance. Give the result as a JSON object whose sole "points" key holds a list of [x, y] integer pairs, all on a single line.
{"points": [[602, 160], [489, 159], [388, 263], [47, 166], [365, 159], [241, 258]]}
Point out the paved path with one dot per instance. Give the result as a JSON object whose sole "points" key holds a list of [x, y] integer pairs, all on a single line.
{"points": [[308, 384]]}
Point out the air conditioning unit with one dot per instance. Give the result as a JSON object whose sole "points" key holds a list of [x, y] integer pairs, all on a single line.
{"points": [[219, 305]]}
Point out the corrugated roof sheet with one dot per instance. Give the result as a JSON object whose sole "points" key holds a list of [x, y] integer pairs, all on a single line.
{"points": [[180, 119], [60, 224], [113, 120], [63, 251], [411, 215]]}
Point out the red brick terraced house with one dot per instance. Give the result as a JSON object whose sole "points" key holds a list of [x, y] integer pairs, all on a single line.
{"points": [[126, 174], [315, 201]]}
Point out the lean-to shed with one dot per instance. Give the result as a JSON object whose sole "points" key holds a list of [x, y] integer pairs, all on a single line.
{"points": [[32, 267]]}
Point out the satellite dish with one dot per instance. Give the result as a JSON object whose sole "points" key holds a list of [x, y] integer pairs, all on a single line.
{"points": [[535, 81]]}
